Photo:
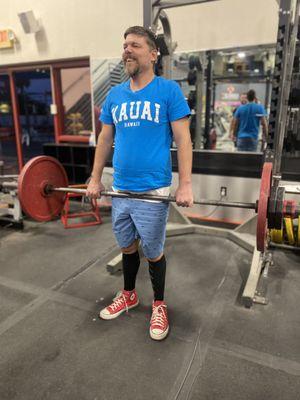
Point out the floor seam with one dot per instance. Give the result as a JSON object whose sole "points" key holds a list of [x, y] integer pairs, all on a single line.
{"points": [[264, 359], [183, 390]]}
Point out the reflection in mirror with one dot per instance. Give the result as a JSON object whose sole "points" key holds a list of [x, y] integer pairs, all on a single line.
{"points": [[215, 85], [230, 74], [106, 73]]}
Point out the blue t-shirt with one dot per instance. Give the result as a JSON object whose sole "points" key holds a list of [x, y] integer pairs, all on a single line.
{"points": [[249, 116], [143, 135]]}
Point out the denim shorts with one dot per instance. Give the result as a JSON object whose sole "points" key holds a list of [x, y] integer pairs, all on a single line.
{"points": [[136, 219], [246, 144]]}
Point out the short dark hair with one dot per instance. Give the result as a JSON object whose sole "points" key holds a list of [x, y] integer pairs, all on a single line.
{"points": [[251, 95], [146, 33]]}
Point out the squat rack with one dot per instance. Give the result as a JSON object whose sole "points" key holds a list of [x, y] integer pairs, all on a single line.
{"points": [[285, 52]]}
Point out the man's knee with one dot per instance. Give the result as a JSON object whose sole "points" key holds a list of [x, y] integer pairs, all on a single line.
{"points": [[155, 259], [131, 249]]}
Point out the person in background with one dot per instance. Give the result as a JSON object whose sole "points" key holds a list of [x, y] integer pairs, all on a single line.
{"points": [[243, 100], [213, 138], [246, 121]]}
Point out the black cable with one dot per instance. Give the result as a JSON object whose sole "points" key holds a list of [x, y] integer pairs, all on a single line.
{"points": [[214, 210]]}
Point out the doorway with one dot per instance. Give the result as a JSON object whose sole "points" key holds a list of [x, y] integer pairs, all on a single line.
{"points": [[34, 95], [42, 104], [8, 147]]}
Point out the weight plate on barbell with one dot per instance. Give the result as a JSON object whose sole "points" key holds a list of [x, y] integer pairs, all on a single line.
{"points": [[35, 176], [262, 212]]}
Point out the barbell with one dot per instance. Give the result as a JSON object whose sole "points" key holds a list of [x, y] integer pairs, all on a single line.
{"points": [[43, 183]]}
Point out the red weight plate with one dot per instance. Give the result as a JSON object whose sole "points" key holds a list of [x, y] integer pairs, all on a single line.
{"points": [[36, 174], [262, 214]]}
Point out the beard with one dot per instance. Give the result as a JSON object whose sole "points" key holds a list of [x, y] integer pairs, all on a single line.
{"points": [[132, 68]]}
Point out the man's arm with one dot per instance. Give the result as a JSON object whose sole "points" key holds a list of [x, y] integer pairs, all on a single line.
{"points": [[264, 125], [182, 137], [233, 128], [103, 148]]}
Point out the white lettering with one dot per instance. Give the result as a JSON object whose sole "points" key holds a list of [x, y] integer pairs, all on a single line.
{"points": [[131, 124], [157, 107], [137, 110], [113, 111], [146, 111], [123, 114]]}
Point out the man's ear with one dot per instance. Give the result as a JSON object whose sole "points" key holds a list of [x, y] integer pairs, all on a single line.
{"points": [[154, 55]]}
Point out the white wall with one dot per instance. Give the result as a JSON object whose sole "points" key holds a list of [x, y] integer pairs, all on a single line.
{"points": [[208, 187], [72, 28], [76, 28], [224, 24]]}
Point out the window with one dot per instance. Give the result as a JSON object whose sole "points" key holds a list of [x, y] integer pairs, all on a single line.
{"points": [[72, 84]]}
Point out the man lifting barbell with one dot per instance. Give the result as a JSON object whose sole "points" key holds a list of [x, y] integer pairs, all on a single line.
{"points": [[142, 162], [144, 114]]}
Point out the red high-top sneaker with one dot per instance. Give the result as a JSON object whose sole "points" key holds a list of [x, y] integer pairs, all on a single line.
{"points": [[159, 324], [124, 301]]}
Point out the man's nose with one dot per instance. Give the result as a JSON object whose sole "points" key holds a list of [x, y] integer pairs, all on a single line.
{"points": [[128, 50]]}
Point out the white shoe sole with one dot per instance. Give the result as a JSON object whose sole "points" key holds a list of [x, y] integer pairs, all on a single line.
{"points": [[105, 316], [160, 336]]}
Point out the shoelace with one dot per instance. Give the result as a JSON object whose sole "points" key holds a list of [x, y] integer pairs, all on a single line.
{"points": [[118, 301], [118, 294], [159, 316]]}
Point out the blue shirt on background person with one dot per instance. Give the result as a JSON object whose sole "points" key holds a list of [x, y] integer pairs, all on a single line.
{"points": [[249, 116], [247, 119]]}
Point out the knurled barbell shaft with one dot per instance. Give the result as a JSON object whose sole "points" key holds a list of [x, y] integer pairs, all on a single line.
{"points": [[157, 198]]}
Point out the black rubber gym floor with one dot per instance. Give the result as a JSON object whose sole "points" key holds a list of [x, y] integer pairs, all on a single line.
{"points": [[53, 346]]}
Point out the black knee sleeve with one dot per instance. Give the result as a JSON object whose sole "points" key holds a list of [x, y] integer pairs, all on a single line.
{"points": [[157, 270], [131, 263]]}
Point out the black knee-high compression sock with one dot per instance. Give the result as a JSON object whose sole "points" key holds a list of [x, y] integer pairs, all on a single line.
{"points": [[157, 270], [131, 263]]}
